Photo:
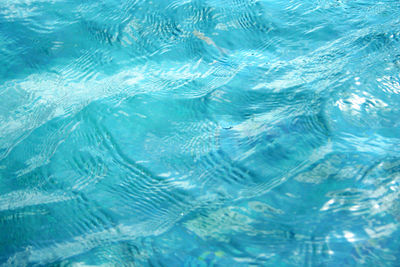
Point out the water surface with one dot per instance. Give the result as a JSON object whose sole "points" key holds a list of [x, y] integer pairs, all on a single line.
{"points": [[199, 133]]}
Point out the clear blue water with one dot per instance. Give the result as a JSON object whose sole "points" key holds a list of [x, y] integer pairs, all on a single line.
{"points": [[199, 133]]}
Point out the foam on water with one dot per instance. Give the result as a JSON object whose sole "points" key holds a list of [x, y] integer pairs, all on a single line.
{"points": [[199, 133]]}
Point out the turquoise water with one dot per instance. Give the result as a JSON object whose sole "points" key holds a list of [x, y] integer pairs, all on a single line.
{"points": [[199, 133]]}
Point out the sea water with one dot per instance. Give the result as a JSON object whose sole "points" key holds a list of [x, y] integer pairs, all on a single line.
{"points": [[199, 133]]}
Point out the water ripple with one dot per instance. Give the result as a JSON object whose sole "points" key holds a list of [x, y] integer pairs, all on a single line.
{"points": [[199, 133]]}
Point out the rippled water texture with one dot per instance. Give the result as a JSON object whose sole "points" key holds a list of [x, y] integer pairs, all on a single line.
{"points": [[200, 133]]}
